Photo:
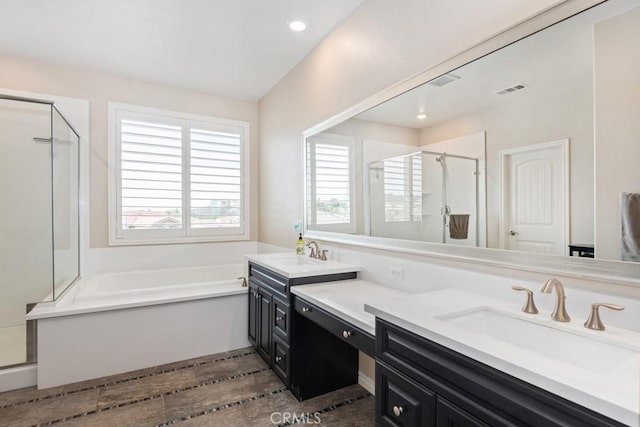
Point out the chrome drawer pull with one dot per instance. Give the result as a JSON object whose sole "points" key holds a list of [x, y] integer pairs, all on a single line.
{"points": [[346, 334], [398, 410], [279, 319], [306, 309], [278, 358]]}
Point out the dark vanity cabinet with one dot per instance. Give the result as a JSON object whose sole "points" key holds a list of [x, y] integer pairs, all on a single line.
{"points": [[421, 383], [309, 360]]}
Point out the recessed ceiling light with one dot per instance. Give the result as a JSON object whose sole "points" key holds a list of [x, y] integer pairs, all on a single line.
{"points": [[297, 25], [421, 116]]}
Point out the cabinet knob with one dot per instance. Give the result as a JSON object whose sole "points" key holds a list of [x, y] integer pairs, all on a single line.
{"points": [[278, 358], [279, 319], [398, 410], [346, 334], [306, 309]]}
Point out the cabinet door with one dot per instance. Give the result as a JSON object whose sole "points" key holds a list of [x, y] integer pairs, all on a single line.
{"points": [[281, 318], [401, 402], [451, 415], [264, 324], [281, 362], [253, 315]]}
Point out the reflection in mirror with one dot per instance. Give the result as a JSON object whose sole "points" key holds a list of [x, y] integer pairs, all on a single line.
{"points": [[498, 153]]}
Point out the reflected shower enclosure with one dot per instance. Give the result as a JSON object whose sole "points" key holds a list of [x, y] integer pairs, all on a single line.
{"points": [[425, 196], [39, 216]]}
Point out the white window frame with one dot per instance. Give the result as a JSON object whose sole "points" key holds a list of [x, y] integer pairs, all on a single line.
{"points": [[120, 236], [342, 141]]}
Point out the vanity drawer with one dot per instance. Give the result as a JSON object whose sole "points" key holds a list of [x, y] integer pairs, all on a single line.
{"points": [[281, 362], [268, 278], [401, 401], [343, 330], [281, 319]]}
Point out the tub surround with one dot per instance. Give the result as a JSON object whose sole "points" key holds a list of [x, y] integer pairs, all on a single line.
{"points": [[291, 266], [116, 291], [118, 322]]}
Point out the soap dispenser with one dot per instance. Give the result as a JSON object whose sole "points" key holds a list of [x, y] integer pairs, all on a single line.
{"points": [[300, 245]]}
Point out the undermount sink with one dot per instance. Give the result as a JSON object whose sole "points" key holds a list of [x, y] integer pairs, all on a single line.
{"points": [[585, 352], [293, 260]]}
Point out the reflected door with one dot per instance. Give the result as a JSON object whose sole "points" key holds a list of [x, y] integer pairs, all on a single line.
{"points": [[534, 187]]}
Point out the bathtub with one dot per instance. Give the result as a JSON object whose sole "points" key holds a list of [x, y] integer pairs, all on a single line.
{"points": [[118, 322], [137, 288]]}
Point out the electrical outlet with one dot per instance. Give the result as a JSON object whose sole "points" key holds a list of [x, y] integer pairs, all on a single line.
{"points": [[397, 273]]}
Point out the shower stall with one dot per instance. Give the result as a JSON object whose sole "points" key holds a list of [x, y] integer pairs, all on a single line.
{"points": [[425, 196], [39, 217]]}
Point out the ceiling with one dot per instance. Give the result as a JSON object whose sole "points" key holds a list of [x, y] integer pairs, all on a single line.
{"points": [[236, 48], [558, 58]]}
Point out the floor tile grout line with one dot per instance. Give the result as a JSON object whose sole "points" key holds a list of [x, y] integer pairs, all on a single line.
{"points": [[152, 397], [222, 407], [138, 377], [329, 408]]}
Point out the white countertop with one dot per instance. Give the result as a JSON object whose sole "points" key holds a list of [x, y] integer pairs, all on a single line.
{"points": [[613, 391], [346, 299], [292, 266]]}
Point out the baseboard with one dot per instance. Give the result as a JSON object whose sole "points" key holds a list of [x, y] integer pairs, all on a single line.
{"points": [[367, 383], [19, 377]]}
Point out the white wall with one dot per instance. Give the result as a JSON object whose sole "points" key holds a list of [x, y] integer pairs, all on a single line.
{"points": [[100, 88], [617, 124], [378, 45]]}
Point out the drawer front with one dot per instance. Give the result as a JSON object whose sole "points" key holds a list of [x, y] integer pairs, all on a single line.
{"points": [[450, 414], [267, 278], [281, 362], [402, 402], [343, 330], [281, 319]]}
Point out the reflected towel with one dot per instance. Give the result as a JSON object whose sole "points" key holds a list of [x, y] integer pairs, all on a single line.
{"points": [[459, 226], [630, 209]]}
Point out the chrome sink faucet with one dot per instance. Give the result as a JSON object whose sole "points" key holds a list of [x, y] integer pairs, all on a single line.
{"points": [[317, 253], [560, 311]]}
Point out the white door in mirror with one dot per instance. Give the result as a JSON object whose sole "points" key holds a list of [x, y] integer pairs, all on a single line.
{"points": [[534, 190]]}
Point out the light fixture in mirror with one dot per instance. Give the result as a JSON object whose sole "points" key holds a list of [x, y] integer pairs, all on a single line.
{"points": [[505, 158]]}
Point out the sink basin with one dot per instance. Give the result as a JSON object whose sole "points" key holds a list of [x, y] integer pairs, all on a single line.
{"points": [[289, 261], [585, 352]]}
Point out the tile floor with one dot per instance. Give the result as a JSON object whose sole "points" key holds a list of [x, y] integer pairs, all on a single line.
{"points": [[229, 389]]}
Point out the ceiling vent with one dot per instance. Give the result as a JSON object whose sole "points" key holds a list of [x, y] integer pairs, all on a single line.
{"points": [[444, 80], [511, 89]]}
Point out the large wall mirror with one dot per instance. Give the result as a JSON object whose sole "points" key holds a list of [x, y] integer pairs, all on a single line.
{"points": [[498, 153]]}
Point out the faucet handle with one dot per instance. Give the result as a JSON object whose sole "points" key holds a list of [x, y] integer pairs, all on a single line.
{"points": [[323, 254], [529, 306], [594, 322]]}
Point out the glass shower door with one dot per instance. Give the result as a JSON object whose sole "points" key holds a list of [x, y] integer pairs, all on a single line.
{"points": [[25, 220]]}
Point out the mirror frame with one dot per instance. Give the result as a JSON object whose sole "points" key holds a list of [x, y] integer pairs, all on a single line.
{"points": [[609, 271]]}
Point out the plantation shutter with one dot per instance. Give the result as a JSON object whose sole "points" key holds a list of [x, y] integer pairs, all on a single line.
{"points": [[177, 178], [403, 188], [330, 181], [151, 175], [216, 174]]}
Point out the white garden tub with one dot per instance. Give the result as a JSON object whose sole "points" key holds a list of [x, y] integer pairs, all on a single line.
{"points": [[118, 322]]}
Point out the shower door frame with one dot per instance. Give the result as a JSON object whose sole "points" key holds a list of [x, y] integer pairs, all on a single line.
{"points": [[476, 173]]}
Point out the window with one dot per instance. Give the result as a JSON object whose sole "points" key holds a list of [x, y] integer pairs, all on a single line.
{"points": [[403, 188], [176, 177], [330, 178]]}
